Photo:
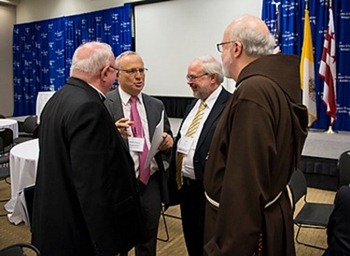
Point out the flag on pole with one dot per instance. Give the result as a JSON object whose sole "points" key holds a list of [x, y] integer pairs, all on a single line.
{"points": [[307, 72], [328, 70]]}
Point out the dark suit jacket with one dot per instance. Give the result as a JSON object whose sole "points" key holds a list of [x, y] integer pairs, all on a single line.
{"points": [[338, 229], [85, 201], [154, 108], [203, 144]]}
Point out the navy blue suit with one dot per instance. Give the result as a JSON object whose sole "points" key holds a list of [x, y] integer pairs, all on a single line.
{"points": [[191, 195]]}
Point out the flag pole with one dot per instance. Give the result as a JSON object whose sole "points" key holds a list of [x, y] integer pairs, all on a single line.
{"points": [[328, 71], [330, 128], [277, 30]]}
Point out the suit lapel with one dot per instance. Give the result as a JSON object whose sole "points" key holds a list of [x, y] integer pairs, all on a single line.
{"points": [[213, 115], [152, 116]]}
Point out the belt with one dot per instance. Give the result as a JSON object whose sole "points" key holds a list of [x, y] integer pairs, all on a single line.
{"points": [[190, 182], [217, 204]]}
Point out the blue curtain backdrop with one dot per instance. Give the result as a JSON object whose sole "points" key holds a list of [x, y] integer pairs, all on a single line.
{"points": [[43, 50], [291, 24]]}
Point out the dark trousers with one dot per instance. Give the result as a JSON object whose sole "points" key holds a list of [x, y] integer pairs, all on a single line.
{"points": [[192, 205], [150, 214]]}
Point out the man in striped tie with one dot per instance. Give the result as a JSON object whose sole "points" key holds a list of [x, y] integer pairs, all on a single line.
{"points": [[204, 76]]}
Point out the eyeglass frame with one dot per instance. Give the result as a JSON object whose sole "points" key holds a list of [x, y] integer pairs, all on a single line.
{"points": [[132, 71], [219, 46], [193, 78]]}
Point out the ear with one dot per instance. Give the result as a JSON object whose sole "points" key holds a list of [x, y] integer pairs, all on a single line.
{"points": [[104, 72], [237, 48]]}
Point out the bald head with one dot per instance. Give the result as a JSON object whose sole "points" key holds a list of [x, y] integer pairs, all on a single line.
{"points": [[254, 35], [91, 57]]}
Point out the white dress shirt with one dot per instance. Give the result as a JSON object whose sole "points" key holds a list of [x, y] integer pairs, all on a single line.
{"points": [[125, 97], [187, 164]]}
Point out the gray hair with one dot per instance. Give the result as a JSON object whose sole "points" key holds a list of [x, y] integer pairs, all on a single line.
{"points": [[91, 57], [211, 66], [122, 55], [255, 42]]}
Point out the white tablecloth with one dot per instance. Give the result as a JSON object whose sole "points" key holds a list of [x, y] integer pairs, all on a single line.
{"points": [[10, 123], [41, 100], [23, 165]]}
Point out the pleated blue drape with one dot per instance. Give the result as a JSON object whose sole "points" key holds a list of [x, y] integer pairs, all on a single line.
{"points": [[291, 13], [43, 50]]}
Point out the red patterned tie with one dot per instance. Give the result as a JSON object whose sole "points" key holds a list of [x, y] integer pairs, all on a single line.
{"points": [[137, 130]]}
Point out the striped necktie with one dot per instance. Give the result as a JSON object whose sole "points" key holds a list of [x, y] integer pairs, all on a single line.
{"points": [[192, 129]]}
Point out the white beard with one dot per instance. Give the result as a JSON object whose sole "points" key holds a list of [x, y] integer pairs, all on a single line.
{"points": [[226, 63]]}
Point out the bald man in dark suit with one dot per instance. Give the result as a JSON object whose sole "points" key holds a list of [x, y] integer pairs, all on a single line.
{"points": [[85, 200]]}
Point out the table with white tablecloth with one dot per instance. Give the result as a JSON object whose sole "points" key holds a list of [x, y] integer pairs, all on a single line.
{"points": [[41, 101], [23, 166], [10, 123]]}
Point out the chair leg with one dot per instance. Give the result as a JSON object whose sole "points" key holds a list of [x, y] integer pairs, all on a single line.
{"points": [[167, 237]]}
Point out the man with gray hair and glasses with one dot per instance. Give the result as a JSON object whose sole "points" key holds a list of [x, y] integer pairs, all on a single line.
{"points": [[256, 146], [204, 76], [137, 115]]}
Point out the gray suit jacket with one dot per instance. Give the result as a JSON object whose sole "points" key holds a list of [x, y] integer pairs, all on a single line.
{"points": [[154, 108]]}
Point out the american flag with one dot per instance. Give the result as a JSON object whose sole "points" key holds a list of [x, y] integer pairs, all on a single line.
{"points": [[328, 69]]}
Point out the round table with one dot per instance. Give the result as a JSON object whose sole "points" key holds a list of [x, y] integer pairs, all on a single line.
{"points": [[10, 123], [23, 166]]}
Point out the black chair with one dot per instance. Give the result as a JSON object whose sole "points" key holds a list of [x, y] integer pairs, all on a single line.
{"points": [[29, 197], [4, 158], [2, 116], [6, 135], [311, 215], [344, 169], [20, 249], [4, 174], [29, 128]]}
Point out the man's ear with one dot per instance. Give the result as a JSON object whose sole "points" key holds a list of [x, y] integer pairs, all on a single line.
{"points": [[237, 48], [104, 72]]}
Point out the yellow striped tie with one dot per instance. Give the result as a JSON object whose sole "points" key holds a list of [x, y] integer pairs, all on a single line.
{"points": [[190, 132]]}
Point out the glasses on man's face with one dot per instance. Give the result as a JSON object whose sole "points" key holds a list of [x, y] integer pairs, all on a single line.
{"points": [[134, 71], [115, 69], [220, 46], [192, 77]]}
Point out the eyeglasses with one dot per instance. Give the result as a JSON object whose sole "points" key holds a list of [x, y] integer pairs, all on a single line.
{"points": [[220, 47], [192, 78], [133, 71], [113, 68]]}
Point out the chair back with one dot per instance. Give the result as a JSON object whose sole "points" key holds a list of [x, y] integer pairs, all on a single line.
{"points": [[344, 169], [297, 185], [20, 249], [7, 138], [29, 124]]}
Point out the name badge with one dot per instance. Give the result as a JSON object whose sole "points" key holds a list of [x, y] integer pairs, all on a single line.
{"points": [[184, 145], [136, 144]]}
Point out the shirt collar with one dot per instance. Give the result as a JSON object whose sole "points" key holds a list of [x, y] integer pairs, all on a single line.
{"points": [[101, 94], [210, 101], [125, 97]]}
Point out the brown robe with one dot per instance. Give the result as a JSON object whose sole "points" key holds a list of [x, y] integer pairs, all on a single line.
{"points": [[257, 143]]}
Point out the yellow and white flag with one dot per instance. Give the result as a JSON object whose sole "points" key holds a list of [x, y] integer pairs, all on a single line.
{"points": [[307, 72]]}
